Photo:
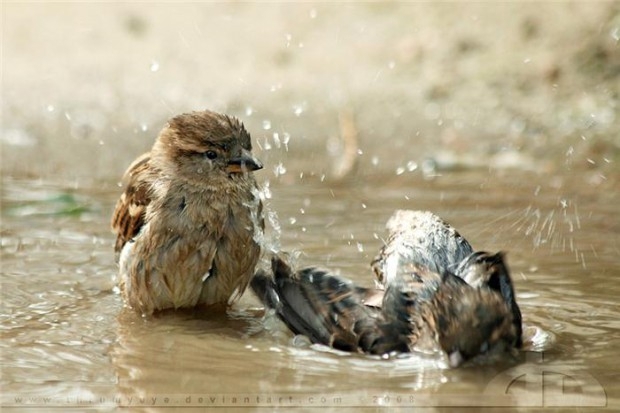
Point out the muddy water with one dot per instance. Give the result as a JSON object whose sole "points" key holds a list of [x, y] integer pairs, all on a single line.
{"points": [[68, 342]]}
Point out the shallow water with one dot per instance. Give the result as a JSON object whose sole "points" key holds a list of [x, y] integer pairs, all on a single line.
{"points": [[67, 341]]}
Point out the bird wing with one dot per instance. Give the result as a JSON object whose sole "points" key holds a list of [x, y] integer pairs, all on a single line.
{"points": [[484, 270], [326, 308], [130, 210], [331, 310]]}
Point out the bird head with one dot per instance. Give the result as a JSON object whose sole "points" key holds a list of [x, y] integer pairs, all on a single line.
{"points": [[203, 144]]}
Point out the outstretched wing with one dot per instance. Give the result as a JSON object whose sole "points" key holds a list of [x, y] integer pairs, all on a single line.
{"points": [[326, 308], [128, 216], [331, 310]]}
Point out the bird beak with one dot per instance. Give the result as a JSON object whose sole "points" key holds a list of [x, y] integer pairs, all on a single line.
{"points": [[245, 162]]}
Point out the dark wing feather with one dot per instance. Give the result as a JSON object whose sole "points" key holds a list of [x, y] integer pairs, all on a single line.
{"points": [[482, 269], [128, 216], [328, 309]]}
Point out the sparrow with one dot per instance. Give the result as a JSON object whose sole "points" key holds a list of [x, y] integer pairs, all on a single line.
{"points": [[423, 238], [190, 221], [430, 288], [418, 307]]}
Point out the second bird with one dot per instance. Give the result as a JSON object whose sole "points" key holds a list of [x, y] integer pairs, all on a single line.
{"points": [[190, 220]]}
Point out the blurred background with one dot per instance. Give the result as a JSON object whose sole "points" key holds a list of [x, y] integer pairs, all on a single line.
{"points": [[503, 118], [386, 86]]}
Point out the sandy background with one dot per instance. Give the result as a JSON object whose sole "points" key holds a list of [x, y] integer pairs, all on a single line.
{"points": [[86, 86]]}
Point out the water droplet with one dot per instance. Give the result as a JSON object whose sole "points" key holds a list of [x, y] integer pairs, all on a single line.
{"points": [[279, 169], [400, 170], [144, 127], [154, 66], [375, 160], [298, 109], [285, 140], [266, 191], [266, 145], [249, 111], [303, 211], [364, 205], [50, 108], [360, 152], [412, 166], [266, 124], [292, 220], [313, 13], [391, 64], [276, 139], [360, 247]]}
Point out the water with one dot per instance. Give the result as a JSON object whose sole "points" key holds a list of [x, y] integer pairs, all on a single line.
{"points": [[67, 341]]}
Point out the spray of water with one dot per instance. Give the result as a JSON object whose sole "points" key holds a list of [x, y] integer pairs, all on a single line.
{"points": [[554, 229]]}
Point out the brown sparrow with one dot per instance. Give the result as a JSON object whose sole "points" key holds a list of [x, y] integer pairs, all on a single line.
{"points": [[431, 288], [190, 221], [418, 308]]}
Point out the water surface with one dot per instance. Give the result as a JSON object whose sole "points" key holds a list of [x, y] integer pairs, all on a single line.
{"points": [[67, 340]]}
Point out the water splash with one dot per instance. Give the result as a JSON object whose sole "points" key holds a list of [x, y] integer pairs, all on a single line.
{"points": [[279, 169], [555, 229], [269, 238]]}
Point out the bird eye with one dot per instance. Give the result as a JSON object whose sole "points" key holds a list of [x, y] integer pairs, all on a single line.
{"points": [[211, 154]]}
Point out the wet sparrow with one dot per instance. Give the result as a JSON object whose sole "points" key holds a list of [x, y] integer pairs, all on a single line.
{"points": [[189, 222], [432, 289], [419, 309]]}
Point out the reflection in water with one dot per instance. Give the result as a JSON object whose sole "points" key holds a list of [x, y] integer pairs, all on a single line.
{"points": [[64, 331]]}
